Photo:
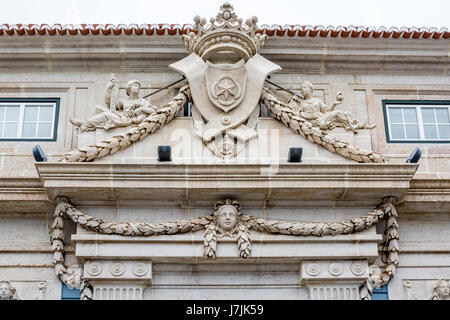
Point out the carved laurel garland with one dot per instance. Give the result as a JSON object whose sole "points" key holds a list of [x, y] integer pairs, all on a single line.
{"points": [[307, 130], [57, 240], [135, 133], [386, 210]]}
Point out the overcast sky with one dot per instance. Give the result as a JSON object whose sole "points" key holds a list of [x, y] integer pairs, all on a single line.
{"points": [[418, 13]]}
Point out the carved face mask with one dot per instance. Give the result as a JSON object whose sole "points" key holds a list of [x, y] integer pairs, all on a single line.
{"points": [[5, 291], [444, 289], [227, 217]]}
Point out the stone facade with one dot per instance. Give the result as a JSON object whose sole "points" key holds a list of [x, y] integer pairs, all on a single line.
{"points": [[132, 186]]}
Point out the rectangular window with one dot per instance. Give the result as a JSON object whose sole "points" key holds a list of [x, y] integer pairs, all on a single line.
{"points": [[417, 121], [29, 119], [381, 293], [69, 294]]}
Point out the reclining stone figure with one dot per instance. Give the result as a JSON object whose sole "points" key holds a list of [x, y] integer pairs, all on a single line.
{"points": [[322, 115], [131, 110]]}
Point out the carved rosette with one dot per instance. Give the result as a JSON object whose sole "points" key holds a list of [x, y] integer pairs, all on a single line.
{"points": [[358, 268], [140, 269], [117, 269], [313, 269], [336, 269], [94, 268]]}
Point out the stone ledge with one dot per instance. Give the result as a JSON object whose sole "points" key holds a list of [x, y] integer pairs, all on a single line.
{"points": [[337, 182], [188, 248], [427, 195]]}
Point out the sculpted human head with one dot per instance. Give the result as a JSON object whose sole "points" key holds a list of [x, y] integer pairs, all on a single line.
{"points": [[227, 215], [306, 89], [6, 290], [443, 289], [133, 87]]}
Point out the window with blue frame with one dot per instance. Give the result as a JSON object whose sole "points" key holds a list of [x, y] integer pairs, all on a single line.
{"points": [[410, 121], [381, 293], [69, 294], [28, 119]]}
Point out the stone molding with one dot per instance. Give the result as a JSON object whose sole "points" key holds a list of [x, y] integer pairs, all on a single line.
{"points": [[96, 181], [118, 270], [117, 290], [334, 279], [334, 270], [337, 290]]}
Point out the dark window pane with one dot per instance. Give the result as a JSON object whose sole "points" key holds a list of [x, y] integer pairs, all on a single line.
{"points": [[444, 131], [12, 113], [29, 130], [10, 130], [412, 131], [428, 115], [410, 115], [2, 113], [441, 115], [31, 113], [397, 131], [46, 114], [44, 130], [430, 131], [395, 115]]}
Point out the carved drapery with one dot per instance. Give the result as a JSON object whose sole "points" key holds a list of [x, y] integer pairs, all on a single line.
{"points": [[238, 229]]}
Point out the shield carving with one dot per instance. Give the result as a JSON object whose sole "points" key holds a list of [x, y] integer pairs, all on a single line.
{"points": [[226, 84]]}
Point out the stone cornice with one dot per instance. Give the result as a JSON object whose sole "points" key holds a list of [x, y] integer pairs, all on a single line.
{"points": [[298, 182], [427, 196], [292, 53], [23, 195]]}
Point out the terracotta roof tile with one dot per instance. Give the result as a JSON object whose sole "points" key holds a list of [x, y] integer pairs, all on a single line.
{"points": [[176, 29]]}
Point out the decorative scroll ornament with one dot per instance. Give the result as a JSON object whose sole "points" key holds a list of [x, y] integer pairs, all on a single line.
{"points": [[228, 222], [313, 133], [226, 76]]}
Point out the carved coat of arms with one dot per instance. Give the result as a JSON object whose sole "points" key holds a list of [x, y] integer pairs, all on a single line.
{"points": [[226, 76], [226, 84]]}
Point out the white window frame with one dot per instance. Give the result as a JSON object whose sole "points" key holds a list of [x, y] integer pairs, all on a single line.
{"points": [[418, 106], [21, 120]]}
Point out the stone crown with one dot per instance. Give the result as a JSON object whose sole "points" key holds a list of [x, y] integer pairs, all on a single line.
{"points": [[224, 33]]}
